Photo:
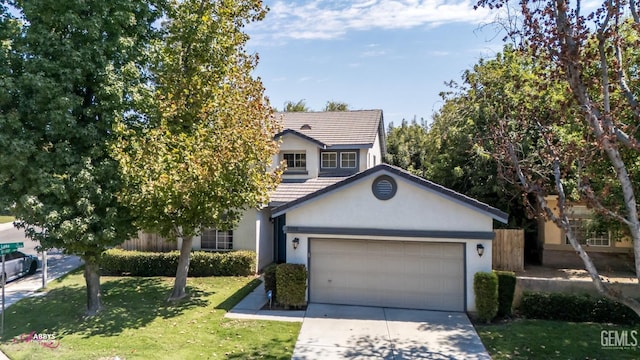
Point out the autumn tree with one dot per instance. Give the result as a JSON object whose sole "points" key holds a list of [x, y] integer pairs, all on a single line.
{"points": [[202, 157], [69, 70], [592, 154]]}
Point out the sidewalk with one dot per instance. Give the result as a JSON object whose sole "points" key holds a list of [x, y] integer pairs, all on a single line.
{"points": [[250, 308], [57, 266]]}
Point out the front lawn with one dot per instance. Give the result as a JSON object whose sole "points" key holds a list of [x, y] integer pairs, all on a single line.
{"points": [[545, 339], [6, 219], [138, 323]]}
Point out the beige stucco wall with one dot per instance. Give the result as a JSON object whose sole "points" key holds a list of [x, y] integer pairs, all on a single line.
{"points": [[264, 239], [412, 208], [244, 235], [552, 233]]}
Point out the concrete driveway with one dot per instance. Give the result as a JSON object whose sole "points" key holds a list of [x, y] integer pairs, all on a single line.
{"points": [[360, 332]]}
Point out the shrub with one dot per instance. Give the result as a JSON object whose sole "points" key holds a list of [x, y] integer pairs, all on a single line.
{"points": [[485, 286], [291, 284], [506, 290], [577, 308], [138, 263], [270, 279]]}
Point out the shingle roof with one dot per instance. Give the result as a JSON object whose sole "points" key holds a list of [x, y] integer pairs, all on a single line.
{"points": [[336, 128], [290, 190], [425, 184]]}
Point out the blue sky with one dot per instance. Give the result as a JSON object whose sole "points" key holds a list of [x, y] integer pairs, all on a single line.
{"points": [[393, 55]]}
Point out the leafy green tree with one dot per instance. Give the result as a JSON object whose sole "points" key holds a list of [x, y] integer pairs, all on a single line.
{"points": [[336, 106], [407, 146], [68, 71], [300, 106], [592, 153], [204, 155]]}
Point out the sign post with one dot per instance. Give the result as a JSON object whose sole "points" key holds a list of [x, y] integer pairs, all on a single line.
{"points": [[5, 249]]}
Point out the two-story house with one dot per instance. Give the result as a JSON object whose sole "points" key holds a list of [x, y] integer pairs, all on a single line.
{"points": [[369, 233], [319, 149]]}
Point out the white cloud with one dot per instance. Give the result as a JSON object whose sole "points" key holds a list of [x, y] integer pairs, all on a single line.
{"points": [[317, 19], [373, 53]]}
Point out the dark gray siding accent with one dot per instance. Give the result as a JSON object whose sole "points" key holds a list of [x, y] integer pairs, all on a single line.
{"points": [[436, 234]]}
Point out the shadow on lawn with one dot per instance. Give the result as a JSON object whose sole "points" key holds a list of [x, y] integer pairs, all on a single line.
{"points": [[234, 299], [129, 303], [264, 352]]}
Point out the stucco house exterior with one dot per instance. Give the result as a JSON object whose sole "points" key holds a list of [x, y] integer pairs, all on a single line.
{"points": [[608, 249], [369, 233]]}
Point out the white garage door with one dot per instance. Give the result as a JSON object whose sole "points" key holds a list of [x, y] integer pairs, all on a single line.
{"points": [[414, 275]]}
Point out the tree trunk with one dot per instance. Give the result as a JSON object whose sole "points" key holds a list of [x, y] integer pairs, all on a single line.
{"points": [[180, 284], [92, 278]]}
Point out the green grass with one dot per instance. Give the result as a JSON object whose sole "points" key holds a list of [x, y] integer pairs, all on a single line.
{"points": [[544, 339], [6, 219], [138, 323]]}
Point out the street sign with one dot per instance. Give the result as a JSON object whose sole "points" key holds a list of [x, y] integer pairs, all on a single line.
{"points": [[10, 247]]}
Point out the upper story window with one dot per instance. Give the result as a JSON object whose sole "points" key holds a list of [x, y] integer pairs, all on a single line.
{"points": [[348, 160], [295, 160], [329, 160]]}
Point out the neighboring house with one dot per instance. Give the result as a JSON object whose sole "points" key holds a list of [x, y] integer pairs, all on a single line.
{"points": [[608, 249], [369, 233]]}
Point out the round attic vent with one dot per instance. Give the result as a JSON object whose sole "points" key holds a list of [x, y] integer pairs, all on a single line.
{"points": [[384, 187], [305, 127]]}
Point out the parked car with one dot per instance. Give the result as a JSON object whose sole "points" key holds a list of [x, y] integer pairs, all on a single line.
{"points": [[18, 264]]}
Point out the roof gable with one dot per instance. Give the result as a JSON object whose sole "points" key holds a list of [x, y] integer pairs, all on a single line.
{"points": [[420, 182], [335, 129]]}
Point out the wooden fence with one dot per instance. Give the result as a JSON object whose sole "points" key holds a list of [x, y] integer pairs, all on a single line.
{"points": [[149, 242], [508, 250]]}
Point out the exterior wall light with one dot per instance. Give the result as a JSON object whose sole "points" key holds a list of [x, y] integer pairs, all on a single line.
{"points": [[295, 243], [479, 248]]}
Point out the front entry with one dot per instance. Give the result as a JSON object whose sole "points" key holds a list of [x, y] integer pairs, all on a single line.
{"points": [[280, 248]]}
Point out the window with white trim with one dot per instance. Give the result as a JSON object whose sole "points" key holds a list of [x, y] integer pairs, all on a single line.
{"points": [[214, 239], [329, 160], [586, 228], [348, 160], [295, 160]]}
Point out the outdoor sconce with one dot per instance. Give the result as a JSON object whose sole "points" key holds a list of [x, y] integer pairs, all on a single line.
{"points": [[295, 242], [480, 249]]}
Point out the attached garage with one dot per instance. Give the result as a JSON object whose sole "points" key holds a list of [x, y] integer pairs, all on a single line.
{"points": [[384, 237], [404, 274]]}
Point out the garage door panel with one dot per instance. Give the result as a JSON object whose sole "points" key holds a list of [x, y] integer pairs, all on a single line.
{"points": [[387, 273]]}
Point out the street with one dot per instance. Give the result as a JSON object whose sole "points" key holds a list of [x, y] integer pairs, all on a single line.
{"points": [[58, 264], [9, 234]]}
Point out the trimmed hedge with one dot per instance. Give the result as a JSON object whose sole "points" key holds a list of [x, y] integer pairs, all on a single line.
{"points": [[485, 286], [291, 284], [506, 291], [270, 280], [203, 263], [576, 308]]}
